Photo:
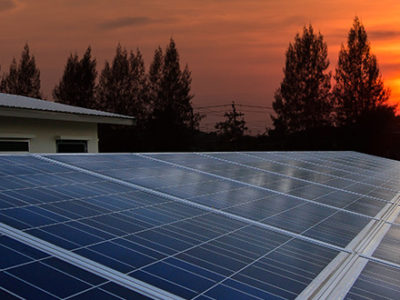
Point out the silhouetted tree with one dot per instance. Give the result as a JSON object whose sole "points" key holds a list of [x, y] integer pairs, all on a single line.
{"points": [[140, 88], [155, 75], [302, 100], [173, 120], [77, 85], [359, 86], [122, 84], [23, 78], [234, 126]]}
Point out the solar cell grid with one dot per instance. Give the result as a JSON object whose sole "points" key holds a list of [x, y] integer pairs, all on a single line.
{"points": [[284, 168], [235, 262], [377, 281], [340, 177], [26, 272], [279, 184], [310, 158], [192, 248], [291, 173], [107, 241], [353, 164], [197, 191], [302, 162], [195, 229], [389, 248]]}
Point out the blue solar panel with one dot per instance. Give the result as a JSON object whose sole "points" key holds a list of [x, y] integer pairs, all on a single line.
{"points": [[273, 177], [389, 248], [29, 273], [377, 281], [204, 226], [270, 206]]}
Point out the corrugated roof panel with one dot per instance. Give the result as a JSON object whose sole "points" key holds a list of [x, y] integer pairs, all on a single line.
{"points": [[21, 102]]}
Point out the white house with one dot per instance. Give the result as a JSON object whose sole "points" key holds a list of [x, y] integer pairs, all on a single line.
{"points": [[39, 126]]}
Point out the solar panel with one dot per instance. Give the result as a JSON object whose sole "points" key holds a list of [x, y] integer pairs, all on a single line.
{"points": [[377, 281], [206, 225], [389, 248], [30, 273], [267, 205]]}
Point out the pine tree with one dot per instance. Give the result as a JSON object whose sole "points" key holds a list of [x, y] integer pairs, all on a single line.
{"points": [[23, 78], [359, 86], [302, 101], [77, 86], [234, 126], [140, 94], [154, 80], [113, 88], [172, 115], [122, 84], [9, 83]]}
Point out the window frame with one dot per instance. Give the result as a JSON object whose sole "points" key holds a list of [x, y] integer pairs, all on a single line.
{"points": [[22, 140], [72, 141]]}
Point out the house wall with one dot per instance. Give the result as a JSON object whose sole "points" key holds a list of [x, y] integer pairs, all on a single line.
{"points": [[44, 133]]}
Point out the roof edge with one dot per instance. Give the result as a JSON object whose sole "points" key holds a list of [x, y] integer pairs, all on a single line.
{"points": [[65, 116]]}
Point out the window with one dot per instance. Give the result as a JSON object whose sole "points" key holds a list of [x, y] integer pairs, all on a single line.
{"points": [[71, 146], [14, 145]]}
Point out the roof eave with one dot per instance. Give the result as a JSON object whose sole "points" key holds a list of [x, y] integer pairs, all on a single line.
{"points": [[63, 116]]}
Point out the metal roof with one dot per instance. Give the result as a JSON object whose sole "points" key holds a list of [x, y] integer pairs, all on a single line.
{"points": [[22, 102]]}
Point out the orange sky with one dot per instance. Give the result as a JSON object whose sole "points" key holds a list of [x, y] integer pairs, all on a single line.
{"points": [[234, 48]]}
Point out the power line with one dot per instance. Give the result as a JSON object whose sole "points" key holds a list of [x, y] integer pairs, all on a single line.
{"points": [[212, 106], [255, 106], [242, 111], [226, 105]]}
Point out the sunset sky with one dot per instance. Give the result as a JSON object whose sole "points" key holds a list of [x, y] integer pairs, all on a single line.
{"points": [[235, 49]]}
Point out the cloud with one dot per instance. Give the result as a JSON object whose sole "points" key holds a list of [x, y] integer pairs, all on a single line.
{"points": [[7, 4], [294, 20], [383, 34], [389, 67], [131, 22], [125, 22]]}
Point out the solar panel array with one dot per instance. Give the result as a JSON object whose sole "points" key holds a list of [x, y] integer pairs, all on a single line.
{"points": [[276, 225]]}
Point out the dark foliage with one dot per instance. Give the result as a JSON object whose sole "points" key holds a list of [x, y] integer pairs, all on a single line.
{"points": [[172, 123], [23, 78], [123, 89], [302, 101], [359, 86], [234, 126], [355, 117], [122, 84], [77, 85], [161, 102]]}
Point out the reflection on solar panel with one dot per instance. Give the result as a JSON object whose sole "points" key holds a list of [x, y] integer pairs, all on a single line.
{"points": [[276, 225]]}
